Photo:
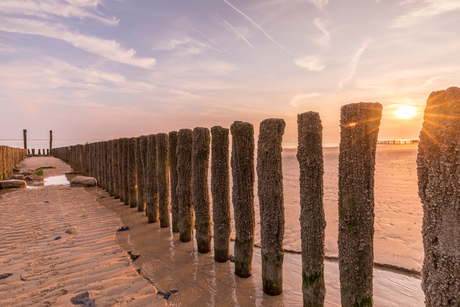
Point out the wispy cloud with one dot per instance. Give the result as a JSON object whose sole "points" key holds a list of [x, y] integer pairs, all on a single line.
{"points": [[353, 64], [48, 9], [300, 100], [259, 27], [311, 63], [430, 9], [323, 40], [319, 3], [228, 26], [109, 49], [187, 45]]}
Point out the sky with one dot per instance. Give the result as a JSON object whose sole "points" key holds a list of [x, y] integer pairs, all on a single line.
{"points": [[102, 69]]}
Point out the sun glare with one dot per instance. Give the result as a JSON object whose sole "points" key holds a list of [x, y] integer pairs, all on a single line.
{"points": [[405, 112]]}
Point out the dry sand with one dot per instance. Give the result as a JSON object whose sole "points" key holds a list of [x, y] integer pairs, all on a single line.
{"points": [[57, 270]]}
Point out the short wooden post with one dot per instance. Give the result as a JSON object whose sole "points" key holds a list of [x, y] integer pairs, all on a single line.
{"points": [[184, 184], [220, 190], [173, 180], [24, 136], [242, 162], [151, 188], [438, 163], [312, 219], [271, 203], [132, 178], [163, 178], [358, 141], [200, 164]]}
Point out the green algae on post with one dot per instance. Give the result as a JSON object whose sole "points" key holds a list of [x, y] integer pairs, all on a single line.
{"points": [[271, 203], [312, 219], [220, 191], [151, 181], [132, 177], [184, 184], [358, 141], [242, 162], [163, 178], [173, 180], [200, 165], [438, 177]]}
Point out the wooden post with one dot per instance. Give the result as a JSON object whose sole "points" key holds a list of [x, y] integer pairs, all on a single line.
{"points": [[312, 219], [132, 178], [200, 192], [242, 162], [358, 141], [115, 169], [184, 184], [438, 177], [125, 171], [271, 203], [220, 190], [24, 136], [140, 174], [151, 188], [51, 139], [163, 178], [173, 180]]}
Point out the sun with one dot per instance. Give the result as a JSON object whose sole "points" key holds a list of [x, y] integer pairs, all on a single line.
{"points": [[405, 112]]}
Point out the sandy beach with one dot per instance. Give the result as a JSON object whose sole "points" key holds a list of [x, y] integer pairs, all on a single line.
{"points": [[61, 241], [95, 259]]}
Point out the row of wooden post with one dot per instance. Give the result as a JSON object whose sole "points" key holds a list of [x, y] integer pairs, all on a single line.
{"points": [[9, 157], [143, 171]]}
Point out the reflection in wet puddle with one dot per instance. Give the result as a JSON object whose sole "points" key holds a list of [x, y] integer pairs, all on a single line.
{"points": [[53, 180]]}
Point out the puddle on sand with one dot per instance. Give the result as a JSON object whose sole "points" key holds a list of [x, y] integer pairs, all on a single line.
{"points": [[54, 180]]}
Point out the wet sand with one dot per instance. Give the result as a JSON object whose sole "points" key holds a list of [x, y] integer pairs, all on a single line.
{"points": [[171, 264]]}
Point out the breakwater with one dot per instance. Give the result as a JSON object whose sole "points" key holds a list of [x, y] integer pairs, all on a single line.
{"points": [[359, 130]]}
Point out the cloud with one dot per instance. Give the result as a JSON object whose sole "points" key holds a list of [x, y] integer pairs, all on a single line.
{"points": [[48, 9], [229, 27], [353, 64], [323, 40], [319, 3], [431, 9], [187, 45], [109, 49], [311, 63], [300, 100], [259, 27], [220, 47]]}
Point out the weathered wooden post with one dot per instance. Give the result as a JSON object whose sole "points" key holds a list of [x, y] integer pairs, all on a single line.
{"points": [[163, 178], [220, 191], [39, 152], [242, 162], [33, 151], [271, 203], [121, 178], [173, 180], [125, 171], [140, 174], [312, 219], [132, 178], [200, 192], [438, 177], [24, 136], [51, 139], [151, 188], [184, 184], [358, 141], [104, 164], [109, 168], [115, 170]]}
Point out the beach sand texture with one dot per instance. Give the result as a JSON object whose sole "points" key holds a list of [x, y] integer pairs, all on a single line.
{"points": [[58, 269]]}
